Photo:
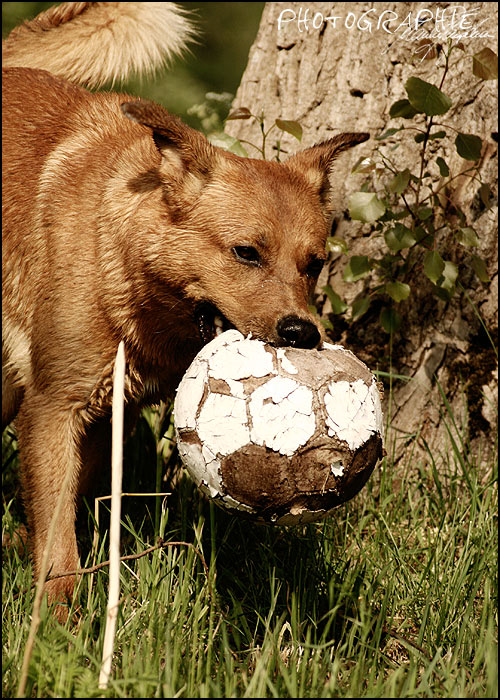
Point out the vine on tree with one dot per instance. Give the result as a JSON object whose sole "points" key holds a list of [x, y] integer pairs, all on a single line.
{"points": [[414, 215]]}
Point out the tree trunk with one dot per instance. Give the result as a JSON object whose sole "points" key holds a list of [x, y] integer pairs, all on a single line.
{"points": [[332, 78]]}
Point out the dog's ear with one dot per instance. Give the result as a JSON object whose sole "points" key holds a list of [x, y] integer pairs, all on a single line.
{"points": [[178, 143], [315, 163]]}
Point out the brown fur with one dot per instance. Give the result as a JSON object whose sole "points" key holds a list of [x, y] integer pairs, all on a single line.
{"points": [[119, 221]]}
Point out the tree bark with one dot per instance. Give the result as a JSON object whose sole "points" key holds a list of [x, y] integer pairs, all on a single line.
{"points": [[332, 78]]}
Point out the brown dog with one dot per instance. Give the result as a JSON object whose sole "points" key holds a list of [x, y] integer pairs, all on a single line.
{"points": [[120, 222]]}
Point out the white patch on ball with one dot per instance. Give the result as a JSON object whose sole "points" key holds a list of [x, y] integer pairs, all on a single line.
{"points": [[283, 434], [282, 417]]}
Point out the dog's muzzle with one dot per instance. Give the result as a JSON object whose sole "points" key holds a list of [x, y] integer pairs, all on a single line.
{"points": [[210, 321]]}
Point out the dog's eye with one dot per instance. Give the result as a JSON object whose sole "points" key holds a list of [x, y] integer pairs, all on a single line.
{"points": [[247, 254], [314, 267]]}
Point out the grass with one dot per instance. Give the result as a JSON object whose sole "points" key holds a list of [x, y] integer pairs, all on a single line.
{"points": [[394, 595]]}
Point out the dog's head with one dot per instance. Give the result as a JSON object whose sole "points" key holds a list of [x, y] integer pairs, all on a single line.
{"points": [[250, 234]]}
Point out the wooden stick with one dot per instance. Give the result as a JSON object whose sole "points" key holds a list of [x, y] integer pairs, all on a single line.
{"points": [[114, 531]]}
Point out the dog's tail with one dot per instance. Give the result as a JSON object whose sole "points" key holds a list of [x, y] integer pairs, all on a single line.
{"points": [[93, 43]]}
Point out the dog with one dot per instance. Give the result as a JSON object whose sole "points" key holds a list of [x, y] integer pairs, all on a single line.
{"points": [[122, 223]]}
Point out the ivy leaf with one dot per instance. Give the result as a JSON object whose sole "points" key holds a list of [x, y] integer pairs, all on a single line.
{"points": [[291, 127], [467, 236], [399, 291], [358, 266], [239, 113], [398, 238], [468, 146], [433, 265], [402, 108], [390, 320], [479, 267], [485, 64], [228, 143], [365, 206], [336, 245], [399, 182], [359, 307], [443, 168], [338, 304], [427, 98]]}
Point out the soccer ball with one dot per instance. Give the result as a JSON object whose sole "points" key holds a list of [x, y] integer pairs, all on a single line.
{"points": [[282, 435]]}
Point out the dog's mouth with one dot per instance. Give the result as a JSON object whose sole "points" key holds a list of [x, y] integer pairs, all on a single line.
{"points": [[211, 321]]}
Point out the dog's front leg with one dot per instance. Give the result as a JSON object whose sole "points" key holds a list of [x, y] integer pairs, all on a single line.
{"points": [[48, 440]]}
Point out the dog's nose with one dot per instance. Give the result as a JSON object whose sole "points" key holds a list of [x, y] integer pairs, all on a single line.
{"points": [[298, 332]]}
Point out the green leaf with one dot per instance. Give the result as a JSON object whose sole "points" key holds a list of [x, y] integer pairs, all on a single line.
{"points": [[358, 266], [485, 194], [442, 293], [399, 182], [437, 135], [338, 304], [402, 108], [336, 245], [395, 215], [240, 113], [448, 277], [443, 168], [424, 213], [398, 238], [365, 206], [419, 138], [426, 50], [389, 132], [390, 320], [427, 98], [364, 165], [359, 307], [399, 291], [421, 235], [291, 127], [479, 267], [485, 64], [228, 143], [467, 236], [468, 146], [433, 265]]}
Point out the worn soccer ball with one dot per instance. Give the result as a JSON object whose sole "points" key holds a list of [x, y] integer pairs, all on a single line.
{"points": [[283, 435]]}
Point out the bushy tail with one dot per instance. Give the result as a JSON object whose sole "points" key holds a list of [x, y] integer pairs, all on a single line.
{"points": [[93, 43]]}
